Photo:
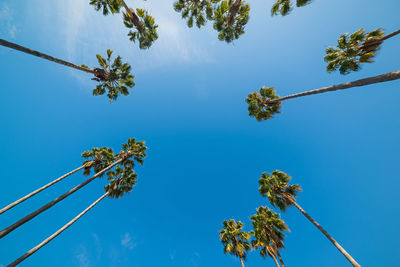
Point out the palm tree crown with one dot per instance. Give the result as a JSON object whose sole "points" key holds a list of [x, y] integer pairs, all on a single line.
{"points": [[235, 241], [257, 107], [352, 50], [230, 18], [123, 178], [285, 6], [107, 6], [114, 77], [146, 29], [102, 157], [195, 11], [277, 188]]}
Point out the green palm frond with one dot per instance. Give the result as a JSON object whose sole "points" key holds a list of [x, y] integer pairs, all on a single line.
{"points": [[230, 18], [353, 49], [107, 6], [258, 104], [284, 7], [195, 11], [145, 28], [277, 189], [114, 77], [235, 241]]}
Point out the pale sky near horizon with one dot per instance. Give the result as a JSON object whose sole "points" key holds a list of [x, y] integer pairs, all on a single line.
{"points": [[205, 154]]}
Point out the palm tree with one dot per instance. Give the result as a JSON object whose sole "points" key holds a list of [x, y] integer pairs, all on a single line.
{"points": [[108, 6], [195, 11], [235, 241], [285, 6], [265, 104], [15, 203], [230, 18], [134, 149], [121, 180], [282, 195], [114, 77], [146, 29], [352, 50], [269, 233]]}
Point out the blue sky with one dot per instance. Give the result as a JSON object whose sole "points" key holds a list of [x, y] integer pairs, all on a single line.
{"points": [[205, 154]]}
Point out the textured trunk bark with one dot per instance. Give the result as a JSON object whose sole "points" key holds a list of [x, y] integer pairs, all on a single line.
{"points": [[373, 44], [336, 244], [134, 18], [29, 217], [280, 258], [59, 231], [276, 262], [241, 261], [44, 56], [233, 11], [390, 76], [43, 188]]}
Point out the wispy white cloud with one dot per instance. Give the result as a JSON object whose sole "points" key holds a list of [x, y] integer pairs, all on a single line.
{"points": [[81, 256], [98, 246], [126, 241], [7, 26]]}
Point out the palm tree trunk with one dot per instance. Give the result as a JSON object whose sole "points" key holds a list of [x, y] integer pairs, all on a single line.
{"points": [[29, 217], [390, 35], [241, 261], [233, 11], [43, 188], [44, 56], [276, 262], [280, 258], [134, 18], [336, 244], [59, 231], [390, 76]]}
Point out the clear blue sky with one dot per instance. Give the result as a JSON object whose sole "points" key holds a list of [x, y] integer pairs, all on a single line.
{"points": [[205, 154]]}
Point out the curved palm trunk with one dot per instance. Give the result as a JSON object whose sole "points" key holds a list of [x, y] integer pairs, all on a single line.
{"points": [[280, 258], [59, 231], [134, 18], [29, 217], [390, 76], [43, 188], [276, 262], [336, 244], [241, 261], [44, 56]]}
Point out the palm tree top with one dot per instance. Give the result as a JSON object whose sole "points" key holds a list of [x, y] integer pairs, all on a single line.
{"points": [[268, 227], [146, 29], [107, 6], [102, 157], [277, 189], [230, 17], [285, 6], [257, 107], [353, 49], [116, 77], [195, 11], [235, 241]]}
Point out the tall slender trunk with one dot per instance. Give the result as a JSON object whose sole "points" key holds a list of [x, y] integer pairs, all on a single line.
{"points": [[390, 35], [276, 262], [59, 231], [43, 188], [29, 217], [241, 261], [280, 258], [336, 244], [374, 43], [44, 56], [134, 18], [390, 76]]}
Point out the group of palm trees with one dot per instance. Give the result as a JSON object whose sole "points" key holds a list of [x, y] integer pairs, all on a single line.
{"points": [[268, 228], [229, 17], [119, 168], [352, 50]]}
